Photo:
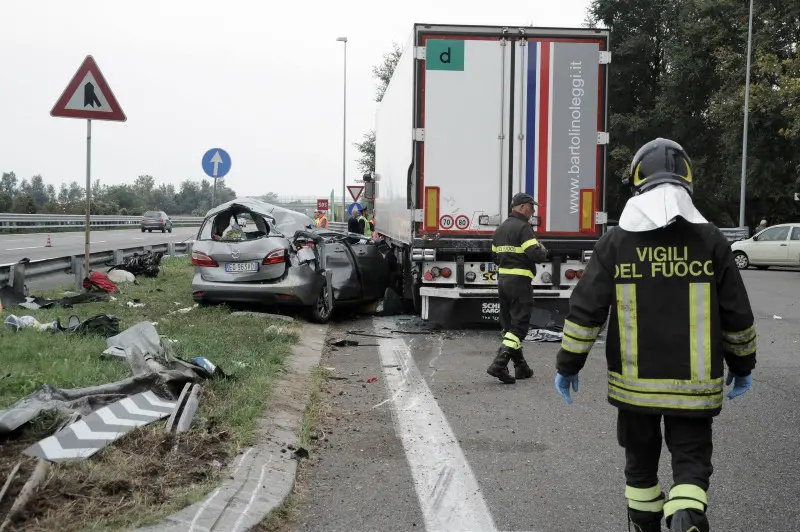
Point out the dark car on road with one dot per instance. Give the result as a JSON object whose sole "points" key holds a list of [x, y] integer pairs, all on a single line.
{"points": [[157, 220], [283, 259]]}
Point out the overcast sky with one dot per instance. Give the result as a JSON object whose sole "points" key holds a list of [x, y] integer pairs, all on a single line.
{"points": [[261, 79]]}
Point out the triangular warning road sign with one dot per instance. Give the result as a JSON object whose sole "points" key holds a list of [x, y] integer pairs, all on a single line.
{"points": [[88, 96], [355, 191]]}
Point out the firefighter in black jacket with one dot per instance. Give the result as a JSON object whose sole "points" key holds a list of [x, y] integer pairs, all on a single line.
{"points": [[679, 313], [516, 251]]}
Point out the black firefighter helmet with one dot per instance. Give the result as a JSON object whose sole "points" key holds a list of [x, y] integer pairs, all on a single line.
{"points": [[657, 162]]}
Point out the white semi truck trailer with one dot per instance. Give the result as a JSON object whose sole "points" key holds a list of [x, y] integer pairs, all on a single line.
{"points": [[473, 115]]}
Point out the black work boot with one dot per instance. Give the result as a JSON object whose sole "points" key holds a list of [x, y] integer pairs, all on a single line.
{"points": [[499, 367], [689, 521], [644, 521], [521, 368]]}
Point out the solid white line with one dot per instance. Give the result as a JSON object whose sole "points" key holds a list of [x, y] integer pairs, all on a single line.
{"points": [[31, 247], [448, 492], [203, 508]]}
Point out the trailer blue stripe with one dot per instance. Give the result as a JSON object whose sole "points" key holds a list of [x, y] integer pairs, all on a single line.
{"points": [[530, 134]]}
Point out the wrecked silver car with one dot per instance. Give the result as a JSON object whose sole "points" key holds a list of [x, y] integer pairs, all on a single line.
{"points": [[283, 259]]}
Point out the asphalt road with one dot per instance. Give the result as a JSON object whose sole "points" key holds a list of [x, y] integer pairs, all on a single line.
{"points": [[433, 443], [32, 245]]}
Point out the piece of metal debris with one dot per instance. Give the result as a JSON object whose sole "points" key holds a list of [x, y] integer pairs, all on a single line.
{"points": [[84, 438], [342, 342]]}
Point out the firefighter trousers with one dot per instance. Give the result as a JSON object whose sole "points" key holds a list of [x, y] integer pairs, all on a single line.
{"points": [[689, 441], [516, 304]]}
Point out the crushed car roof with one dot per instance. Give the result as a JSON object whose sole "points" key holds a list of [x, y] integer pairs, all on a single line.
{"points": [[285, 220]]}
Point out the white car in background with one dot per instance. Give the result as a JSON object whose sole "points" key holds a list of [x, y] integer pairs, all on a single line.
{"points": [[778, 245]]}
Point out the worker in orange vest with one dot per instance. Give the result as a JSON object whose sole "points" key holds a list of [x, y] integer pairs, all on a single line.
{"points": [[322, 220]]}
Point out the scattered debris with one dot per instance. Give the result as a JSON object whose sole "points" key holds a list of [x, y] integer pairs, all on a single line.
{"points": [[37, 477], [372, 379], [99, 281], [776, 317], [131, 304], [300, 453], [9, 480], [147, 264], [543, 335], [121, 276], [23, 322], [185, 310], [263, 315], [209, 369], [342, 342], [359, 333]]}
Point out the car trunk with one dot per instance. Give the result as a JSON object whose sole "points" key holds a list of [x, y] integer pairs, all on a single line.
{"points": [[151, 218], [259, 255]]}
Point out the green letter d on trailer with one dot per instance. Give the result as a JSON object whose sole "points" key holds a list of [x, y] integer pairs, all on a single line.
{"points": [[444, 54]]}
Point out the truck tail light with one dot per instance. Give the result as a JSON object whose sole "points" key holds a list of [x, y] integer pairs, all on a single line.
{"points": [[276, 256], [447, 272], [203, 260], [569, 274]]}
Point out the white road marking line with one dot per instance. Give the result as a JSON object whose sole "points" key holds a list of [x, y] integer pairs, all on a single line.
{"points": [[31, 247], [448, 493], [202, 509]]}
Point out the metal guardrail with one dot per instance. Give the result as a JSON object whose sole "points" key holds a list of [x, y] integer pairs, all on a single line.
{"points": [[734, 234], [16, 274], [76, 221]]}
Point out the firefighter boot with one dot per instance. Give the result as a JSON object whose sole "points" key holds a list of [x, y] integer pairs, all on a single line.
{"points": [[499, 367], [689, 521], [521, 368], [644, 521]]}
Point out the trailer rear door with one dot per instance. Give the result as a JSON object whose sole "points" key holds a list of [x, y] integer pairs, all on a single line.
{"points": [[465, 94]]}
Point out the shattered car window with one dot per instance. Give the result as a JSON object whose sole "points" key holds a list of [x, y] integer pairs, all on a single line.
{"points": [[227, 227]]}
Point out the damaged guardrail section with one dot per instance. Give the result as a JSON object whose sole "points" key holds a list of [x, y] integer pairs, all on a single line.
{"points": [[17, 274]]}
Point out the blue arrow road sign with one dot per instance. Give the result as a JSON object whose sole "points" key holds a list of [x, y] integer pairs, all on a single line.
{"points": [[216, 163], [357, 206]]}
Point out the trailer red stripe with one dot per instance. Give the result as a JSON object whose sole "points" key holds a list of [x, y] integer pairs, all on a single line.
{"points": [[544, 133]]}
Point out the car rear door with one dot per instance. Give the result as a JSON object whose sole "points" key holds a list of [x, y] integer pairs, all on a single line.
{"points": [[372, 267], [793, 258], [346, 285]]}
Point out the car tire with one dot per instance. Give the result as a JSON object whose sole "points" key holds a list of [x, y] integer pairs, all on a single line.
{"points": [[169, 230], [149, 230], [741, 260], [142, 229], [320, 313], [163, 229]]}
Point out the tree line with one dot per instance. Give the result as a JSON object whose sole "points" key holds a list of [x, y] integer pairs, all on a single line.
{"points": [[33, 196], [678, 71]]}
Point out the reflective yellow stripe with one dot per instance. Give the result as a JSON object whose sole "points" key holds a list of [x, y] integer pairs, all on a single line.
{"points": [[579, 332], [740, 336], [515, 271], [643, 494], [676, 386], [580, 347], [655, 507], [628, 336], [665, 400], [511, 340], [529, 243], [507, 249], [685, 497], [740, 343], [700, 330]]}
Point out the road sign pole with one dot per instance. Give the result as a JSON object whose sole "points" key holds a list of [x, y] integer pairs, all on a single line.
{"points": [[214, 195], [88, 195]]}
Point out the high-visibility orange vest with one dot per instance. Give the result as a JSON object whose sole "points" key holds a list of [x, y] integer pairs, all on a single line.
{"points": [[322, 221]]}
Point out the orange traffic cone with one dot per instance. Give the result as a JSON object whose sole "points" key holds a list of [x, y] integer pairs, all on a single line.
{"points": [[48, 245]]}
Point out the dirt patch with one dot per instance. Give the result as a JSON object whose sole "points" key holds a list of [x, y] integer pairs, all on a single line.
{"points": [[141, 472]]}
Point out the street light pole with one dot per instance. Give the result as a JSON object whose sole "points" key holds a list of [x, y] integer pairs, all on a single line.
{"points": [[344, 125], [746, 113]]}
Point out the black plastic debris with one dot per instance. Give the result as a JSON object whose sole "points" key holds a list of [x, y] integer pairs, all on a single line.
{"points": [[343, 342]]}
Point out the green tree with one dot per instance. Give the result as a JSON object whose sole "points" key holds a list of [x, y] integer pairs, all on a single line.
{"points": [[383, 74]]}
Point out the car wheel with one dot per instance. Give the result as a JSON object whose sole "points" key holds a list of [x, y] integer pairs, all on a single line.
{"points": [[741, 260], [149, 230], [163, 229], [142, 229], [170, 229], [320, 313]]}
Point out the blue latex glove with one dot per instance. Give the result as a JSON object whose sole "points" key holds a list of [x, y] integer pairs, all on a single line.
{"points": [[740, 384], [562, 386]]}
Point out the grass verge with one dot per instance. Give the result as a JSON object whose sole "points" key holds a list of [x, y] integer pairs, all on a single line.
{"points": [[282, 518], [147, 474]]}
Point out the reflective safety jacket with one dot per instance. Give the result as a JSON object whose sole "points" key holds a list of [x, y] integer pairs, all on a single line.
{"points": [[322, 221], [367, 229], [679, 311], [515, 249]]}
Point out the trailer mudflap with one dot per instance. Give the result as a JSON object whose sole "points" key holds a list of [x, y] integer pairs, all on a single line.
{"points": [[472, 309]]}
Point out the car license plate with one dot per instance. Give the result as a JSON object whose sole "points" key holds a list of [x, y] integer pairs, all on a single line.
{"points": [[241, 267]]}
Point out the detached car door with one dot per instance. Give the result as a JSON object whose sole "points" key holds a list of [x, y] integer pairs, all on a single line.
{"points": [[372, 267]]}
